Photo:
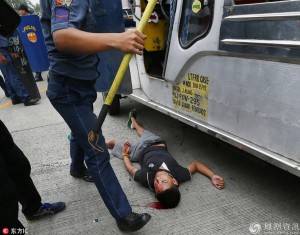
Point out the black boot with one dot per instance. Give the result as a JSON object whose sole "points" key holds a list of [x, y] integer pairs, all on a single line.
{"points": [[133, 222], [31, 101], [38, 77], [85, 175], [16, 101]]}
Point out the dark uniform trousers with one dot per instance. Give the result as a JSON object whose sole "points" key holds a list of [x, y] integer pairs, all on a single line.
{"points": [[15, 183], [14, 86], [73, 99]]}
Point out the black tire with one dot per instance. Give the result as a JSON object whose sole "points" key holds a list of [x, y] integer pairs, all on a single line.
{"points": [[115, 107]]}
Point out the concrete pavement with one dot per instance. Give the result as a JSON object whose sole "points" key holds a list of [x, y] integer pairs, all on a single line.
{"points": [[256, 193]]}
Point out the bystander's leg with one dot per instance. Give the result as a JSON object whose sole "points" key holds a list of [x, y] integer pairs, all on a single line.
{"points": [[18, 170]]}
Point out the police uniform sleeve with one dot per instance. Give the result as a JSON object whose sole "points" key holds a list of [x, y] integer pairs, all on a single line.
{"points": [[68, 14]]}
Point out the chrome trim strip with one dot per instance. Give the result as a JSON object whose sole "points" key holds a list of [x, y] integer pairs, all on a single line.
{"points": [[264, 16], [265, 43]]}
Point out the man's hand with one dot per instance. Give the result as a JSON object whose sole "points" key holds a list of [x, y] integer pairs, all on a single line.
{"points": [[126, 158], [3, 59], [126, 149], [217, 181]]}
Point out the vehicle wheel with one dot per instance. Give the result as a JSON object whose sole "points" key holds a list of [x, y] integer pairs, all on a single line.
{"points": [[115, 107]]}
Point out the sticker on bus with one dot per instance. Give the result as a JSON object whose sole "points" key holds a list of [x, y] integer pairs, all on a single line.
{"points": [[191, 94]]}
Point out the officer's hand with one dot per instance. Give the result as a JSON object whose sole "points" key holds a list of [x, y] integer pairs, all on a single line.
{"points": [[3, 59], [132, 41]]}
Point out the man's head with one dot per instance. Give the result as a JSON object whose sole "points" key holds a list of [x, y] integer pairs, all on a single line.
{"points": [[23, 9], [166, 189]]}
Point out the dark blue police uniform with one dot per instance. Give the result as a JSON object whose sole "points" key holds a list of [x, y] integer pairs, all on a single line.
{"points": [[71, 92], [14, 86]]}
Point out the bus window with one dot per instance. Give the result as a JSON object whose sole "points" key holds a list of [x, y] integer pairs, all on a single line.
{"points": [[196, 21]]}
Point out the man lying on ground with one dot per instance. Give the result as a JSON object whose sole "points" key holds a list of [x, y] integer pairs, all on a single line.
{"points": [[159, 170]]}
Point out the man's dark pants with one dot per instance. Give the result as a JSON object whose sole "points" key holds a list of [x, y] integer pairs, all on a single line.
{"points": [[15, 183]]}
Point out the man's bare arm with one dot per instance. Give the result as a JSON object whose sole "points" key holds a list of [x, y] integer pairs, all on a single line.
{"points": [[128, 165], [76, 41], [126, 158], [199, 167]]}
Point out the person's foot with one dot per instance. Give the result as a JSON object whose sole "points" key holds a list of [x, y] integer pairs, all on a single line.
{"points": [[110, 144], [47, 209], [31, 101], [16, 101], [133, 222], [132, 113], [85, 175], [38, 79]]}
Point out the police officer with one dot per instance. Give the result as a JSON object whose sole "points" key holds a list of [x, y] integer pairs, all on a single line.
{"points": [[69, 31], [15, 88]]}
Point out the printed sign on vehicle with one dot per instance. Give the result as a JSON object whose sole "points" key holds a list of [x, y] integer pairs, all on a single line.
{"points": [[191, 94]]}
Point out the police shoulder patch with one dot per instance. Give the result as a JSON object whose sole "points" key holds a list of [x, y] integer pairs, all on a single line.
{"points": [[66, 3], [62, 15]]}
